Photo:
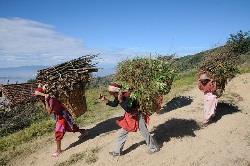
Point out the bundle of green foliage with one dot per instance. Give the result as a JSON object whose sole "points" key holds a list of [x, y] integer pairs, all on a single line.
{"points": [[148, 79], [221, 64]]}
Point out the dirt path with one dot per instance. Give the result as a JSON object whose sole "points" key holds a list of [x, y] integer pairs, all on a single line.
{"points": [[177, 129]]}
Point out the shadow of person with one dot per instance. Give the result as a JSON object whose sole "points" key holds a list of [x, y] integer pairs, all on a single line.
{"points": [[175, 128], [100, 128], [172, 128], [175, 103], [133, 147], [222, 109]]}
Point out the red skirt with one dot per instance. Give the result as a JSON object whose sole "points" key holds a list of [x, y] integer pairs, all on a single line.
{"points": [[62, 127], [130, 122]]}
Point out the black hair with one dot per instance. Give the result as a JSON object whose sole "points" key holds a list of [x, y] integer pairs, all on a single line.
{"points": [[205, 81]]}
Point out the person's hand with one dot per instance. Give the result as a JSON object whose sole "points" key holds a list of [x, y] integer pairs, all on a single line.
{"points": [[102, 98]]}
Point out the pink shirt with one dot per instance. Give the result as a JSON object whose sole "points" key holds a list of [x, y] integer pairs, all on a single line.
{"points": [[210, 103], [56, 105]]}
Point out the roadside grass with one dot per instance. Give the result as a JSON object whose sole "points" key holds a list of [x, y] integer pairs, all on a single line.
{"points": [[183, 82], [89, 155], [97, 110], [245, 68], [24, 149], [34, 131]]}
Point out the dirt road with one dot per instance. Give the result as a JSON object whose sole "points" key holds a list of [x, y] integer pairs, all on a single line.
{"points": [[178, 130]]}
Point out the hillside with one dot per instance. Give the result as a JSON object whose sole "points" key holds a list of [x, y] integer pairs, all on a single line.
{"points": [[183, 64], [28, 139], [191, 62], [183, 140]]}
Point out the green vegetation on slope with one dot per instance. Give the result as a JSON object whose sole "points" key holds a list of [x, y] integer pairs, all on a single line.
{"points": [[23, 142]]}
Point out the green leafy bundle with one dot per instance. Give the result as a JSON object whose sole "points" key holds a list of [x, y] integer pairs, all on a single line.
{"points": [[148, 78], [221, 66]]}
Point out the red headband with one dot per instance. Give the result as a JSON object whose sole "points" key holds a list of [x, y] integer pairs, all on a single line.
{"points": [[116, 85], [39, 90]]}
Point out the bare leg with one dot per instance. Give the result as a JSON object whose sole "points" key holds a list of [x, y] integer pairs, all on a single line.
{"points": [[58, 149], [58, 145]]}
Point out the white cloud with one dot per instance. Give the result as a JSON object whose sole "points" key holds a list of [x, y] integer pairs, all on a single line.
{"points": [[112, 56], [26, 42]]}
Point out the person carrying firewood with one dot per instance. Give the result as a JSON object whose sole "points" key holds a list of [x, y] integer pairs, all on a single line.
{"points": [[64, 120], [208, 87], [130, 122]]}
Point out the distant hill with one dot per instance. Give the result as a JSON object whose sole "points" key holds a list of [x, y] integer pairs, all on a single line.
{"points": [[183, 64], [24, 73], [106, 71], [190, 62], [18, 74]]}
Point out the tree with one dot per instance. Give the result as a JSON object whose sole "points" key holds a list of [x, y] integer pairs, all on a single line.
{"points": [[240, 42]]}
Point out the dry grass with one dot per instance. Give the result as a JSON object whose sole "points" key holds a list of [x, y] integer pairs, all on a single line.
{"points": [[90, 156]]}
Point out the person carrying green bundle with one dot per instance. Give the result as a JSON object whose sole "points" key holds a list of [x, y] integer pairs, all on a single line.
{"points": [[132, 120]]}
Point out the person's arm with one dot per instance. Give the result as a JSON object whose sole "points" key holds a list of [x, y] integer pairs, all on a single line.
{"points": [[48, 104], [113, 103]]}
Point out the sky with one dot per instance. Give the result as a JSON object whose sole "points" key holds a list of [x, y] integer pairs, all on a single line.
{"points": [[48, 32]]}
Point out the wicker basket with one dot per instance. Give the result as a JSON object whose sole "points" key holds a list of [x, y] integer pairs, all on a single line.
{"points": [[75, 102]]}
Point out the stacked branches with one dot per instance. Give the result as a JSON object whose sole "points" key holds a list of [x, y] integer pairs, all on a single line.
{"points": [[148, 78], [67, 81], [17, 94], [62, 78]]}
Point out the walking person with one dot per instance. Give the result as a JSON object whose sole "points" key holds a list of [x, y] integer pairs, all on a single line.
{"points": [[208, 87], [132, 120], [64, 120]]}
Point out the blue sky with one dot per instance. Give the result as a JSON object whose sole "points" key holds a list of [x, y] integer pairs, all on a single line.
{"points": [[46, 32]]}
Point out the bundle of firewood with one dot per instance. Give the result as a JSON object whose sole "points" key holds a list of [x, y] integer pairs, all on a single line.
{"points": [[67, 82], [16, 94]]}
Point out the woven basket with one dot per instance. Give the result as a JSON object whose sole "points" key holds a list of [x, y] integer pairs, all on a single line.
{"points": [[75, 102]]}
